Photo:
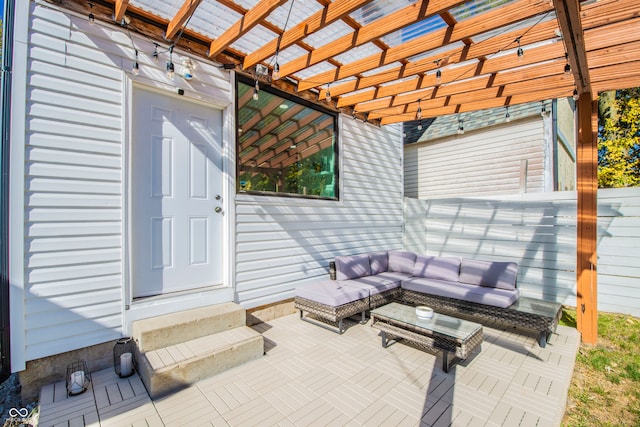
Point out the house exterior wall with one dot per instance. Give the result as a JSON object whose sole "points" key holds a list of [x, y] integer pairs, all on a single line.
{"points": [[283, 242], [69, 244], [501, 159]]}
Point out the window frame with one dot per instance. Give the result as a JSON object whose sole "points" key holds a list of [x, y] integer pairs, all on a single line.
{"points": [[265, 87]]}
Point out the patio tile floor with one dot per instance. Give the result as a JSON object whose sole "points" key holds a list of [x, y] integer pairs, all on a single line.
{"points": [[313, 377]]}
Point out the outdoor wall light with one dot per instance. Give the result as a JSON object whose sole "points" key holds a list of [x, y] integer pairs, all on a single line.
{"points": [[78, 378], [123, 361], [187, 69]]}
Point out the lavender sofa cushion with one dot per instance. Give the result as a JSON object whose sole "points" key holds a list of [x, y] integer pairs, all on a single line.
{"points": [[331, 292], [352, 267], [379, 262], [472, 293], [491, 274], [401, 261], [434, 267], [375, 284]]}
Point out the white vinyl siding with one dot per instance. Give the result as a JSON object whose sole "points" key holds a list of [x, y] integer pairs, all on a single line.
{"points": [[283, 242], [73, 189], [502, 159], [538, 231], [74, 162]]}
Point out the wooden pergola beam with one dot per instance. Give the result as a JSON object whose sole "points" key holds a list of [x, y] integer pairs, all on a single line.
{"points": [[120, 8], [253, 17], [414, 13], [568, 15], [471, 27], [331, 13], [186, 10]]}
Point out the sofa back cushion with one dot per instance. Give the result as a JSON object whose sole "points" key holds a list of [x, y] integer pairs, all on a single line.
{"points": [[492, 274], [352, 267], [434, 267], [379, 262], [401, 261]]}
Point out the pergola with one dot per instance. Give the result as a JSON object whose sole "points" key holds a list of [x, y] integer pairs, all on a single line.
{"points": [[391, 61]]}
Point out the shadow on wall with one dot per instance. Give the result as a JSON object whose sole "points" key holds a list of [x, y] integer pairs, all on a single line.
{"points": [[537, 233]]}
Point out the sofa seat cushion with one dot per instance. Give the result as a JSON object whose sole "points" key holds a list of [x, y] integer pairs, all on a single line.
{"points": [[434, 267], [375, 284], [492, 274], [352, 267], [331, 292], [401, 261], [472, 293]]}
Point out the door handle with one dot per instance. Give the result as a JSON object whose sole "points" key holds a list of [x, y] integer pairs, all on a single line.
{"points": [[218, 209]]}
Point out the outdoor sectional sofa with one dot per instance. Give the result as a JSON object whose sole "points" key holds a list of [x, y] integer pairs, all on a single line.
{"points": [[483, 290]]}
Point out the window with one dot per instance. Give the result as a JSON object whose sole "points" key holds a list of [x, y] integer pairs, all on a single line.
{"points": [[285, 145]]}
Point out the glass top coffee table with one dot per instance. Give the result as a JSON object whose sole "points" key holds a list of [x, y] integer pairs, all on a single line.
{"points": [[441, 332]]}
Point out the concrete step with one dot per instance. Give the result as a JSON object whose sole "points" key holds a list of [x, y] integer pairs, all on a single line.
{"points": [[164, 331], [171, 368]]}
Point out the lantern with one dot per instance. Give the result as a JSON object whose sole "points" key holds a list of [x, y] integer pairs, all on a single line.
{"points": [[78, 378], [123, 362]]}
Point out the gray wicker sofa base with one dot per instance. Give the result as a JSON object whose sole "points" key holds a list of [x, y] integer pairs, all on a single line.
{"points": [[527, 313]]}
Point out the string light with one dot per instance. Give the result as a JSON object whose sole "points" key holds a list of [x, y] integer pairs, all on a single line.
{"points": [[567, 66], [170, 67], [420, 125], [328, 94], [507, 116], [419, 111], [256, 91], [136, 66], [576, 96], [155, 53], [276, 71], [460, 127], [92, 18], [543, 110], [520, 51], [438, 74]]}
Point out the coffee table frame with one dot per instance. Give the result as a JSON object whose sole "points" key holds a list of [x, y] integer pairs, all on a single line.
{"points": [[422, 335]]}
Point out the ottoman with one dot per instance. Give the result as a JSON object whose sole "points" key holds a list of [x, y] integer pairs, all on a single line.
{"points": [[331, 301]]}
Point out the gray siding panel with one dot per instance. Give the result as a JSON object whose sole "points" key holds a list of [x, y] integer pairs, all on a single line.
{"points": [[539, 232], [284, 242], [482, 162]]}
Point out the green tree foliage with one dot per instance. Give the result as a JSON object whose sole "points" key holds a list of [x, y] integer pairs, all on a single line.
{"points": [[619, 139]]}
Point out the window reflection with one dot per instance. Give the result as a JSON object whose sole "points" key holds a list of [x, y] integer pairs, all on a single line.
{"points": [[284, 146]]}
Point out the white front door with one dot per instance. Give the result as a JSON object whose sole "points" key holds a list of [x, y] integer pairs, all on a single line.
{"points": [[176, 174]]}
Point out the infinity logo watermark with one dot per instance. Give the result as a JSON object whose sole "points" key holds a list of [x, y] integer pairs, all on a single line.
{"points": [[18, 413]]}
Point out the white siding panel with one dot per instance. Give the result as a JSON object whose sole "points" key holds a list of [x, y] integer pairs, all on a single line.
{"points": [[538, 231], [483, 162], [74, 169], [282, 243], [73, 197]]}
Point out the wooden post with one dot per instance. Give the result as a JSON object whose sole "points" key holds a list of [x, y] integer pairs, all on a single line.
{"points": [[587, 183]]}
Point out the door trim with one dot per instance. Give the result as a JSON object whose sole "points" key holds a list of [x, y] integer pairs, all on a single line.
{"points": [[141, 308]]}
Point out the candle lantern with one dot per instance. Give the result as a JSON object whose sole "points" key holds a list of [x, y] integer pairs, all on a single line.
{"points": [[123, 361], [78, 378]]}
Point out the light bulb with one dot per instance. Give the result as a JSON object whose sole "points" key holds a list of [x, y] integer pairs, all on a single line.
{"points": [[419, 113], [256, 91], [567, 69], [276, 72], [507, 116], [438, 76], [155, 54], [576, 96], [136, 68], [170, 70], [328, 95], [92, 18], [420, 125], [460, 128]]}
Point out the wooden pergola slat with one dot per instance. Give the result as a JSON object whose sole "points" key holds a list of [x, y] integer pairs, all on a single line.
{"points": [[186, 10], [471, 27], [120, 7], [252, 18], [409, 15], [330, 14]]}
